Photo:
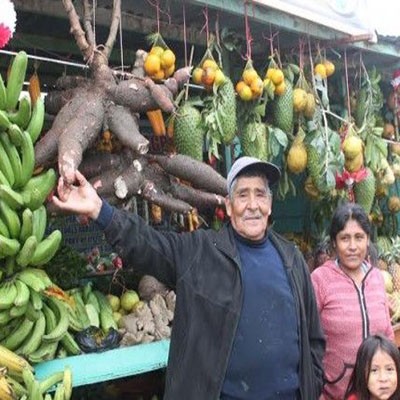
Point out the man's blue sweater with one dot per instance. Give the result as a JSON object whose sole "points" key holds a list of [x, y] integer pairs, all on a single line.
{"points": [[265, 356]]}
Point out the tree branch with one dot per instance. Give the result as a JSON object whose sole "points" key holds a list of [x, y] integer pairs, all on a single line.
{"points": [[76, 29], [115, 20], [88, 13]]}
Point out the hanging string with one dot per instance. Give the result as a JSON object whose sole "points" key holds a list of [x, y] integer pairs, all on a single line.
{"points": [[94, 19], [249, 39], [159, 11], [184, 32], [121, 47], [346, 72], [270, 39], [301, 53], [205, 26]]}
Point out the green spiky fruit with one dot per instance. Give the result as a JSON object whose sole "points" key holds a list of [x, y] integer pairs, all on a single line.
{"points": [[227, 111], [253, 140], [313, 164], [188, 132], [364, 191], [283, 109], [359, 113]]}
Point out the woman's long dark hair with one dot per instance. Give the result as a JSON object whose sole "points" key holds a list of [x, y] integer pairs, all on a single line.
{"points": [[358, 384]]}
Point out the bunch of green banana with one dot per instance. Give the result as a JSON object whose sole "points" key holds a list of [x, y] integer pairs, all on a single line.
{"points": [[26, 387], [23, 217]]}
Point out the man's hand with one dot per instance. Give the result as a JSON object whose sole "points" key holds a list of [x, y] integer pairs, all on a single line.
{"points": [[80, 198]]}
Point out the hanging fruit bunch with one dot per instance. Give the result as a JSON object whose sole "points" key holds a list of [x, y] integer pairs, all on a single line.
{"points": [[324, 68], [274, 80], [297, 155], [303, 98], [208, 73], [250, 86], [160, 61]]}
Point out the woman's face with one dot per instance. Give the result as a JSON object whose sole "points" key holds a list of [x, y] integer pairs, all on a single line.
{"points": [[382, 379], [351, 245]]}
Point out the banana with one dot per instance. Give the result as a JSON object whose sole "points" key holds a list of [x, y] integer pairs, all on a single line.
{"points": [[15, 159], [70, 345], [12, 198], [26, 225], [51, 320], [45, 352], [15, 135], [18, 311], [3, 229], [3, 179], [34, 391], [23, 115], [33, 341], [80, 309], [11, 218], [8, 328], [8, 293], [19, 389], [38, 188], [28, 378], [67, 382], [61, 328], [5, 166], [9, 247], [47, 396], [16, 78], [5, 317], [33, 279], [59, 393], [39, 222], [3, 94], [27, 158], [36, 300], [28, 249], [6, 391], [23, 293], [43, 275], [18, 335], [47, 248], [30, 313], [4, 121], [37, 120], [52, 380]]}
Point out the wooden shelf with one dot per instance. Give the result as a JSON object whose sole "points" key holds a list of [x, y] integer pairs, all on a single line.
{"points": [[113, 364]]}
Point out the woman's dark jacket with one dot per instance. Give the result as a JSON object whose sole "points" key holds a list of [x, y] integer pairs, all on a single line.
{"points": [[204, 269]]}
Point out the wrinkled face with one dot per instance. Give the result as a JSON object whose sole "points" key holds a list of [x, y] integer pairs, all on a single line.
{"points": [[382, 379], [351, 245], [249, 207]]}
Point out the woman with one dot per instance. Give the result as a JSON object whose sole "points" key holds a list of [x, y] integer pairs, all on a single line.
{"points": [[351, 298], [376, 375]]}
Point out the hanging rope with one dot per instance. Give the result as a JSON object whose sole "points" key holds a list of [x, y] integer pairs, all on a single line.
{"points": [[249, 39], [121, 47], [184, 32], [205, 26], [94, 18], [346, 72]]}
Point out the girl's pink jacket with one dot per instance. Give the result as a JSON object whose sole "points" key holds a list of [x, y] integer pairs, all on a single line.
{"points": [[348, 315]]}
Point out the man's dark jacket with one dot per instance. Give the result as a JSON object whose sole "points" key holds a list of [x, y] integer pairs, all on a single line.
{"points": [[204, 268]]}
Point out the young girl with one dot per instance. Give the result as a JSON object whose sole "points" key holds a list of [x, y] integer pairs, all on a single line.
{"points": [[376, 375]]}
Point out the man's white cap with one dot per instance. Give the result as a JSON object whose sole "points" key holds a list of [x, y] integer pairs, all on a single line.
{"points": [[243, 164]]}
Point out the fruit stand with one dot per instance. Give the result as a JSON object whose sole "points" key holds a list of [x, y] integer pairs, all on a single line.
{"points": [[156, 103]]}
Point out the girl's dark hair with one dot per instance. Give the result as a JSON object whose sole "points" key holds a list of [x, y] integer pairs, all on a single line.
{"points": [[346, 212], [358, 383]]}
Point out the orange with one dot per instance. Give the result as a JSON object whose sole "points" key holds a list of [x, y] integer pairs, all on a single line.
{"points": [[219, 77], [280, 89], [239, 86], [209, 63], [157, 50], [330, 67], [269, 72], [245, 93], [277, 76], [257, 87], [208, 76], [167, 59], [152, 64], [169, 71], [320, 70], [249, 75], [197, 74], [158, 76]]}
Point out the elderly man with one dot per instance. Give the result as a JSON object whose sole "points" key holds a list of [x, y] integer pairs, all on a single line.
{"points": [[246, 324]]}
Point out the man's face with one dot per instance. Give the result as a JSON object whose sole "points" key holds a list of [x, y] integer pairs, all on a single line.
{"points": [[250, 207]]}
